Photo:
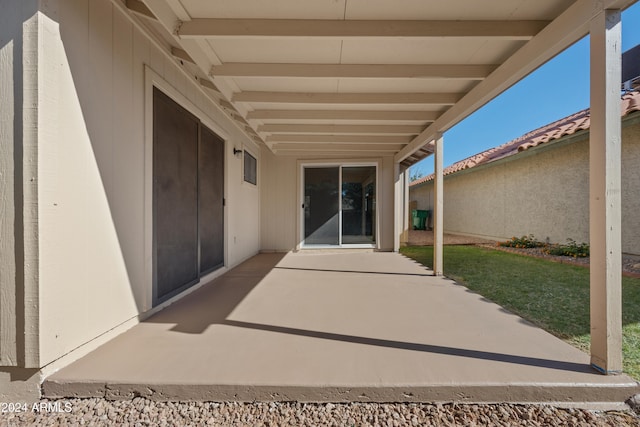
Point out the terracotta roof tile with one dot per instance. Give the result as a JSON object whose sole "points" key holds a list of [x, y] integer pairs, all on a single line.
{"points": [[567, 126]]}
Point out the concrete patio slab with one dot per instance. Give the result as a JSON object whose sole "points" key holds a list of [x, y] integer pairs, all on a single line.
{"points": [[342, 326]]}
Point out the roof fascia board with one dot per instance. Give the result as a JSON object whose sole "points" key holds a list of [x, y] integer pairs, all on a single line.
{"points": [[569, 27]]}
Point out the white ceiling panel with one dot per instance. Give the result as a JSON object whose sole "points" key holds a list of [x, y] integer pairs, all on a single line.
{"points": [[455, 9], [426, 51], [287, 85], [275, 9], [404, 85], [464, 54], [277, 50]]}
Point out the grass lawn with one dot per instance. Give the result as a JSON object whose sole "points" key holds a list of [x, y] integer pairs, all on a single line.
{"points": [[551, 295]]}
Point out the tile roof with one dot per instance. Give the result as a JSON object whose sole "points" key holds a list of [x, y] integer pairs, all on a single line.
{"points": [[553, 131]]}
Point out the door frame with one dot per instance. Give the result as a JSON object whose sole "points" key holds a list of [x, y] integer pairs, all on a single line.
{"points": [[153, 79], [302, 164]]}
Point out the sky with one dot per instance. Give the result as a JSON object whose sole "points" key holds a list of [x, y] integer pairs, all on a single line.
{"points": [[557, 89]]}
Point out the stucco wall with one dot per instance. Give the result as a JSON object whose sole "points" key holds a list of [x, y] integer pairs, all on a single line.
{"points": [[94, 169], [280, 178], [543, 191], [631, 189]]}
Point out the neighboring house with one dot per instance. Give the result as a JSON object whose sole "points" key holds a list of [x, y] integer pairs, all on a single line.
{"points": [[147, 147], [538, 184]]}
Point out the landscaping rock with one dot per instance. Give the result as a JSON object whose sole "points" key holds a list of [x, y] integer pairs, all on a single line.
{"points": [[634, 403], [141, 411]]}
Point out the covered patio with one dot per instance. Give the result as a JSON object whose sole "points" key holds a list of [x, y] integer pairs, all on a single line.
{"points": [[268, 91], [355, 81], [338, 326]]}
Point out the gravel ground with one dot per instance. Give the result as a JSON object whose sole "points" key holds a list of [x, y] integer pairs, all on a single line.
{"points": [[142, 412]]}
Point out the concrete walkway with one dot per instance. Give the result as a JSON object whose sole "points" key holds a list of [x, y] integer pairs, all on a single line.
{"points": [[342, 326]]}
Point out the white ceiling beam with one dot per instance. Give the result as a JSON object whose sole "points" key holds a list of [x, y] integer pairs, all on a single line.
{"points": [[139, 8], [419, 116], [359, 71], [205, 27], [210, 85], [339, 139], [569, 27], [342, 129], [181, 54], [337, 147], [337, 154], [169, 14], [347, 98], [177, 8]]}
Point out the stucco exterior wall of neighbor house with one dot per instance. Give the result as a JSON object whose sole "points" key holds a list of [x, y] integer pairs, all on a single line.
{"points": [[94, 70], [542, 191], [280, 192]]}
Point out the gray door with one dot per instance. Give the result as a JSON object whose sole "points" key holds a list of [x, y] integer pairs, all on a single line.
{"points": [[188, 188], [211, 201]]}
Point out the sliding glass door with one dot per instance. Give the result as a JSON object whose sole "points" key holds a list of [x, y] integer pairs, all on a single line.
{"points": [[321, 206], [339, 206], [358, 204]]}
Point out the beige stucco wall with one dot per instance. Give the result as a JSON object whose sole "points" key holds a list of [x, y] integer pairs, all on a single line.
{"points": [[543, 191], [280, 176], [94, 166], [631, 189]]}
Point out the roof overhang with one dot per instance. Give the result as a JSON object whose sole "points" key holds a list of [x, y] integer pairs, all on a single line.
{"points": [[362, 77]]}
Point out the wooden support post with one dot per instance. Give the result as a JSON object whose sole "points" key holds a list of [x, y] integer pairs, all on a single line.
{"points": [[404, 240], [438, 234], [605, 193], [397, 199]]}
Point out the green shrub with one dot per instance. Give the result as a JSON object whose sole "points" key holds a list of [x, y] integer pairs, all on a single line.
{"points": [[571, 249], [522, 242]]}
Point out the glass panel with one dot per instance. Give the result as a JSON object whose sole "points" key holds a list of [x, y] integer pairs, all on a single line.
{"points": [[250, 168], [358, 205], [321, 210]]}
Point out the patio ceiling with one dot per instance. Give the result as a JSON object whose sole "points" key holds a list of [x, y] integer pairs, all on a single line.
{"points": [[362, 77]]}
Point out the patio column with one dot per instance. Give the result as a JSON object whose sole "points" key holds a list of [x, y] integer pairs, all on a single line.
{"points": [[438, 234], [398, 175], [605, 193], [404, 211]]}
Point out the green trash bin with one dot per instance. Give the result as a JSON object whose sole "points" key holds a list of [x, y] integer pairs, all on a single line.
{"points": [[420, 219]]}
